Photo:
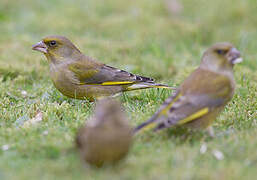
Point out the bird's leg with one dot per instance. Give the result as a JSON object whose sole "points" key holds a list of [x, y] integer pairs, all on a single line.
{"points": [[210, 131]]}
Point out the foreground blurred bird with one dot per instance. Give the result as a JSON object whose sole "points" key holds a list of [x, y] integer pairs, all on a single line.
{"points": [[78, 76], [203, 95], [107, 137]]}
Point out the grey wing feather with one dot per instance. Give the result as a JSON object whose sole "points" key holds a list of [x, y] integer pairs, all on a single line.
{"points": [[185, 107], [121, 75], [156, 116], [111, 74]]}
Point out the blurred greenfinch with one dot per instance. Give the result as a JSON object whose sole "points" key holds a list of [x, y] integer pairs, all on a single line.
{"points": [[203, 95], [78, 76], [107, 137]]}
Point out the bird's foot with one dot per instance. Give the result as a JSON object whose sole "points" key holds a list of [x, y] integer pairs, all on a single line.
{"points": [[211, 132]]}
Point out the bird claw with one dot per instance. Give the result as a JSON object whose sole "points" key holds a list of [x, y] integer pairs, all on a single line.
{"points": [[211, 132]]}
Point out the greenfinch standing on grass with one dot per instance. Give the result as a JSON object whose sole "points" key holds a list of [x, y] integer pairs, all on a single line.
{"points": [[203, 95], [78, 76], [107, 137]]}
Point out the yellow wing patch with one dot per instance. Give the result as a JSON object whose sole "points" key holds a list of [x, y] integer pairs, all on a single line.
{"points": [[194, 116], [116, 83], [161, 86], [148, 127], [164, 111], [110, 83]]}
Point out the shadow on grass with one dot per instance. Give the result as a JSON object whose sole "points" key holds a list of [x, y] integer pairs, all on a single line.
{"points": [[177, 135]]}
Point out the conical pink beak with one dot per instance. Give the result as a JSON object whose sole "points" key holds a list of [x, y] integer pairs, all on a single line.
{"points": [[40, 46], [234, 56]]}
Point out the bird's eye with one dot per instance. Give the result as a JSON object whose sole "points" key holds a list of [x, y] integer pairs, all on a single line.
{"points": [[221, 52], [52, 43]]}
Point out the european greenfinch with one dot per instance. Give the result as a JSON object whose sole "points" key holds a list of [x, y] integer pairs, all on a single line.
{"points": [[78, 76], [203, 95], [107, 137]]}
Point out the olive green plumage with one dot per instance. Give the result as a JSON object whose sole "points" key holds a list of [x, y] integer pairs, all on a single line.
{"points": [[107, 137], [203, 95], [78, 76]]}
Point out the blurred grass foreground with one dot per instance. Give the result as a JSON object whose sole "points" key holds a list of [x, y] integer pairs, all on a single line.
{"points": [[161, 39]]}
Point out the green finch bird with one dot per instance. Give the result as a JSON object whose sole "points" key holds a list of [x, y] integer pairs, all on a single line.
{"points": [[203, 95], [107, 137], [78, 76]]}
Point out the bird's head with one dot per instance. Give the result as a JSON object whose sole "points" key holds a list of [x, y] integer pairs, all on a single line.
{"points": [[57, 48], [221, 56], [109, 112]]}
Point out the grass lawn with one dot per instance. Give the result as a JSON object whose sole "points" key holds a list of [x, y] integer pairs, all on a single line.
{"points": [[146, 38]]}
